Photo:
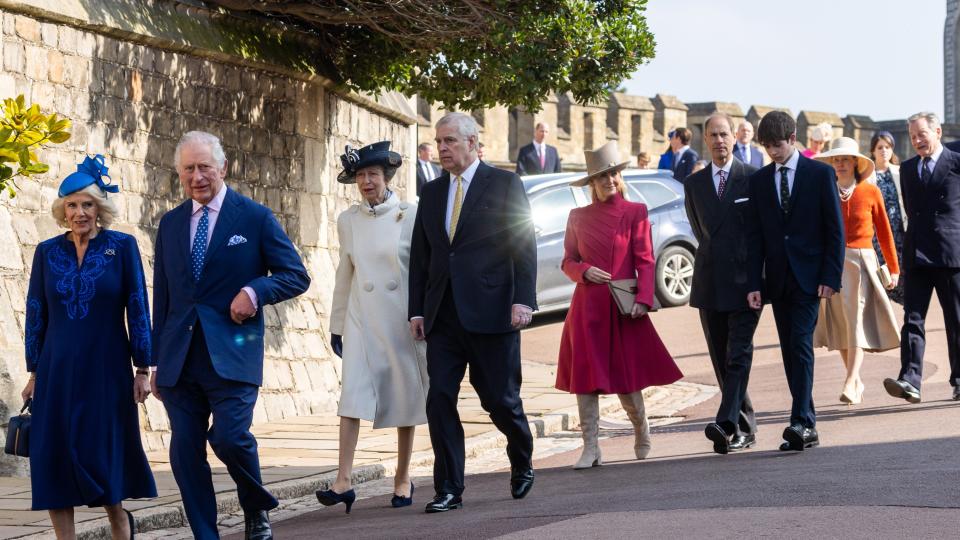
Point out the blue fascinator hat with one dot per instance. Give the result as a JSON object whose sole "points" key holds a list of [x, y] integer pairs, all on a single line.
{"points": [[378, 153], [91, 171]]}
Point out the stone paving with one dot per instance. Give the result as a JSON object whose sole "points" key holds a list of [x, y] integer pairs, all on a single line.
{"points": [[298, 456]]}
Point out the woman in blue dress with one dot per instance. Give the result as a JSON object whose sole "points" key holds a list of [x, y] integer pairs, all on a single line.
{"points": [[85, 444], [887, 178]]}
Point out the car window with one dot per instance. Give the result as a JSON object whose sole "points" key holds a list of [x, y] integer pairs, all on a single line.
{"points": [[550, 210], [654, 194]]}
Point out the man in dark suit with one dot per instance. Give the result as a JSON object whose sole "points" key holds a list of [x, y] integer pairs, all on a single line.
{"points": [[716, 198], [426, 169], [473, 273], [684, 157], [744, 150], [538, 157], [220, 257], [795, 240], [930, 185]]}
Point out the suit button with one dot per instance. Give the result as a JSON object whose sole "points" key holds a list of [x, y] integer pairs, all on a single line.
{"points": [[392, 285], [451, 254], [190, 328], [786, 237], [368, 286]]}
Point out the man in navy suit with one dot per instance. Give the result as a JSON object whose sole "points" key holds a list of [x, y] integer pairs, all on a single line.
{"points": [[717, 201], [684, 157], [796, 248], [744, 150], [538, 157], [930, 185], [473, 276], [220, 257], [426, 169]]}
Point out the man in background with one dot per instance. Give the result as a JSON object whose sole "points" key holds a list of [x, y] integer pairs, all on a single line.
{"points": [[684, 157], [744, 150], [538, 157], [426, 169]]}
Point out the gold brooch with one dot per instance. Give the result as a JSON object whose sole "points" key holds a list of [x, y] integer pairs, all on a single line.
{"points": [[399, 215]]}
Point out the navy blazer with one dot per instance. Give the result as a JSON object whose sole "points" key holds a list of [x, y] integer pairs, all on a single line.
{"points": [[421, 179], [248, 248], [491, 263], [933, 209], [685, 164], [809, 241], [720, 266], [528, 162], [756, 158]]}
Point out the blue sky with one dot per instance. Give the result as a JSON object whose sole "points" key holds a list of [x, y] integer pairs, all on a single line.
{"points": [[845, 56]]}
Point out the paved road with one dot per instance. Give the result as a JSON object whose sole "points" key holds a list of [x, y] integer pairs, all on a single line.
{"points": [[885, 469]]}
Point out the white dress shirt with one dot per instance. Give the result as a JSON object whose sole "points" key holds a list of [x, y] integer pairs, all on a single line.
{"points": [[213, 212], [541, 148], [467, 176], [716, 177], [933, 161], [791, 166], [427, 169], [745, 152]]}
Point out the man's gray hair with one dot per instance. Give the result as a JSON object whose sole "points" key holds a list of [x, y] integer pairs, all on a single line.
{"points": [[932, 120], [722, 115], [466, 125], [202, 137]]}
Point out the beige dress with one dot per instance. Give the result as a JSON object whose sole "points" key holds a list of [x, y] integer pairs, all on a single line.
{"points": [[384, 376]]}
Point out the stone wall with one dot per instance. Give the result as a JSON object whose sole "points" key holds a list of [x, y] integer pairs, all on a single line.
{"points": [[129, 100]]}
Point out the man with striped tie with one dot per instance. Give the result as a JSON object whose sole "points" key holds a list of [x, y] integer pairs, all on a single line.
{"points": [[473, 274]]}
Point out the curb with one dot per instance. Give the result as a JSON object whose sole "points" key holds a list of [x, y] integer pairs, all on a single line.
{"points": [[172, 515]]}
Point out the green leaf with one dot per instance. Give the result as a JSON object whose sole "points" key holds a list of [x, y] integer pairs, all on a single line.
{"points": [[59, 137]]}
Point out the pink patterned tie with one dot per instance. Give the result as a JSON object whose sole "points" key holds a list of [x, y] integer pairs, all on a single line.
{"points": [[543, 157], [723, 183]]}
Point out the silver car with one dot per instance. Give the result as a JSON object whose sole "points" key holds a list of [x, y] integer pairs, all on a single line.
{"points": [[552, 198]]}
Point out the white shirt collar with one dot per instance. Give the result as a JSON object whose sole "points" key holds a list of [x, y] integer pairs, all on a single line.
{"points": [[726, 167], [934, 157], [791, 163], [683, 149], [468, 173], [215, 203]]}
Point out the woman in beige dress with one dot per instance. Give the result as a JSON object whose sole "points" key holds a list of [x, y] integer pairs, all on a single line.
{"points": [[384, 376], [860, 317]]}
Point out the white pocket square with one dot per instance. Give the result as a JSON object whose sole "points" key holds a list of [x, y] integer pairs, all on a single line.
{"points": [[738, 201], [236, 239]]}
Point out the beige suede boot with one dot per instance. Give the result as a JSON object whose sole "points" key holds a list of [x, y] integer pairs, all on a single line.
{"points": [[633, 404], [589, 405]]}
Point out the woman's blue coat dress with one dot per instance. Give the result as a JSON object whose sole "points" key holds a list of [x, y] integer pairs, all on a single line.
{"points": [[85, 446]]}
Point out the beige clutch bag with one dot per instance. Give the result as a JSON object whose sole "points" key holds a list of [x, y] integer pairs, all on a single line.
{"points": [[884, 274], [624, 292]]}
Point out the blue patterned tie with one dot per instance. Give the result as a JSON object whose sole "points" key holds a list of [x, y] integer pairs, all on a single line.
{"points": [[200, 244]]}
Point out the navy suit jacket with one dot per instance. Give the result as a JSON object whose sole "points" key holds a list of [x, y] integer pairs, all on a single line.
{"points": [[756, 158], [528, 162], [685, 164], [491, 263], [809, 241], [421, 179], [933, 208], [266, 261]]}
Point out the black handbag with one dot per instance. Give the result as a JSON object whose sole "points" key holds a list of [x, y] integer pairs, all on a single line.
{"points": [[18, 432]]}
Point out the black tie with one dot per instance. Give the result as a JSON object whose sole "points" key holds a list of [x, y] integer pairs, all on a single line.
{"points": [[784, 191], [925, 173]]}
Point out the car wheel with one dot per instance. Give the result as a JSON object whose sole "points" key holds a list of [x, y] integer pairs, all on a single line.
{"points": [[674, 276]]}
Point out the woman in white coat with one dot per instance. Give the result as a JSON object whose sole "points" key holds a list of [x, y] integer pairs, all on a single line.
{"points": [[384, 375]]}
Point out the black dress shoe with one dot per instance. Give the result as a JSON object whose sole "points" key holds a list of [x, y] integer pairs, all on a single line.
{"points": [[257, 526], [742, 442], [444, 502], [721, 441], [329, 497], [900, 388], [521, 481], [956, 393], [399, 501], [798, 437]]}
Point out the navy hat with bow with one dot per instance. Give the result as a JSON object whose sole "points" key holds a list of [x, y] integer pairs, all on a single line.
{"points": [[91, 171], [377, 153]]}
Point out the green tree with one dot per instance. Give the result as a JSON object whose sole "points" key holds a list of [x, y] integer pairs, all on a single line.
{"points": [[472, 53], [23, 130]]}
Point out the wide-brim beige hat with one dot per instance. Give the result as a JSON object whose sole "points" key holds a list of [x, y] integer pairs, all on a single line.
{"points": [[603, 159], [845, 146]]}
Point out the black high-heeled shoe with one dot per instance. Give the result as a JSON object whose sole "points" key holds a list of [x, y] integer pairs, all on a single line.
{"points": [[399, 501], [329, 497], [130, 521]]}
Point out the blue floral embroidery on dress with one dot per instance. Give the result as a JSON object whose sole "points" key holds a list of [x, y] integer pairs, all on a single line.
{"points": [[34, 329], [138, 319], [77, 300]]}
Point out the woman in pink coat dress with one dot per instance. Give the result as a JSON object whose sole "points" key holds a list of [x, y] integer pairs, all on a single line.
{"points": [[601, 350]]}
